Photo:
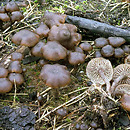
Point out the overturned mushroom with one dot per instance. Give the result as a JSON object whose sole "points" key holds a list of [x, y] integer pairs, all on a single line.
{"points": [[127, 60], [121, 75], [25, 38], [5, 85], [100, 71], [55, 76], [54, 51]]}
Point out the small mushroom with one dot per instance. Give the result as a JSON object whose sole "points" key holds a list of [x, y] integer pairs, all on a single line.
{"points": [[127, 60], [42, 30], [121, 75], [119, 52], [11, 6], [100, 71], [3, 72], [107, 51], [16, 78], [97, 54], [100, 42], [125, 102], [25, 38], [15, 67], [4, 17], [5, 85], [55, 76], [54, 51], [86, 46], [16, 56], [76, 57], [52, 19], [37, 49], [116, 41]]}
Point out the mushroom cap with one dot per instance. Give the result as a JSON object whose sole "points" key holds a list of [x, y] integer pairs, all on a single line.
{"points": [[11, 6], [116, 41], [107, 51], [3, 72], [2, 9], [15, 67], [16, 78], [100, 42], [78, 49], [55, 76], [97, 64], [65, 34], [4, 17], [54, 51], [16, 56], [127, 60], [37, 49], [16, 16], [26, 38], [52, 19], [76, 58], [120, 70], [126, 49], [97, 54], [119, 52], [122, 89], [86, 46], [42, 30], [125, 102], [5, 85]]}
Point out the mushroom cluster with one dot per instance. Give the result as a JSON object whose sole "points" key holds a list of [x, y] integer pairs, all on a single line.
{"points": [[9, 14], [111, 47], [12, 75]]}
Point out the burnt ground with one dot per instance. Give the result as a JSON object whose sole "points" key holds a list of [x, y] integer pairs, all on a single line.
{"points": [[86, 106]]}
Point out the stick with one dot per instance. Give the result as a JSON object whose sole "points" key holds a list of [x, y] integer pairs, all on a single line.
{"points": [[97, 27]]}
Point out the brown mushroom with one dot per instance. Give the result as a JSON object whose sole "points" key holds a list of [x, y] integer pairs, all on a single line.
{"points": [[119, 52], [5, 85], [76, 57], [3, 72], [16, 16], [42, 30], [122, 89], [16, 78], [37, 49], [16, 56], [107, 51], [121, 75], [54, 51], [25, 38], [78, 49], [55, 76], [4, 17], [100, 42], [15, 67], [53, 18], [127, 60], [65, 34], [116, 41], [100, 71], [86, 46], [11, 6], [125, 102]]}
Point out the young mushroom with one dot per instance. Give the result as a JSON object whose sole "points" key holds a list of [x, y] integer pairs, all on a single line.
{"points": [[100, 42], [100, 71], [3, 72], [16, 56], [86, 46], [121, 75], [119, 52], [55, 76]]}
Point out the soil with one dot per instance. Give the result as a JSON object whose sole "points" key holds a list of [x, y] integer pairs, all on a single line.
{"points": [[86, 106]]}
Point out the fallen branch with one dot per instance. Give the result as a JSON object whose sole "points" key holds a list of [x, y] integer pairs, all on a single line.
{"points": [[99, 28]]}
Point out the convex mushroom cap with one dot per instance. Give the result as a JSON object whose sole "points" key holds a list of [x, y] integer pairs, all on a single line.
{"points": [[5, 85], [4, 17], [100, 42], [16, 56], [54, 51], [55, 76], [116, 41], [25, 38], [86, 46], [3, 72]]}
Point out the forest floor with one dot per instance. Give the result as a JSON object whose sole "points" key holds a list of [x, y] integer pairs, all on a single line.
{"points": [[84, 104]]}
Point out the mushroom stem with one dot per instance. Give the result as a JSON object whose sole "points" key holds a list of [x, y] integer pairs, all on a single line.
{"points": [[55, 92], [116, 81], [107, 82]]}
